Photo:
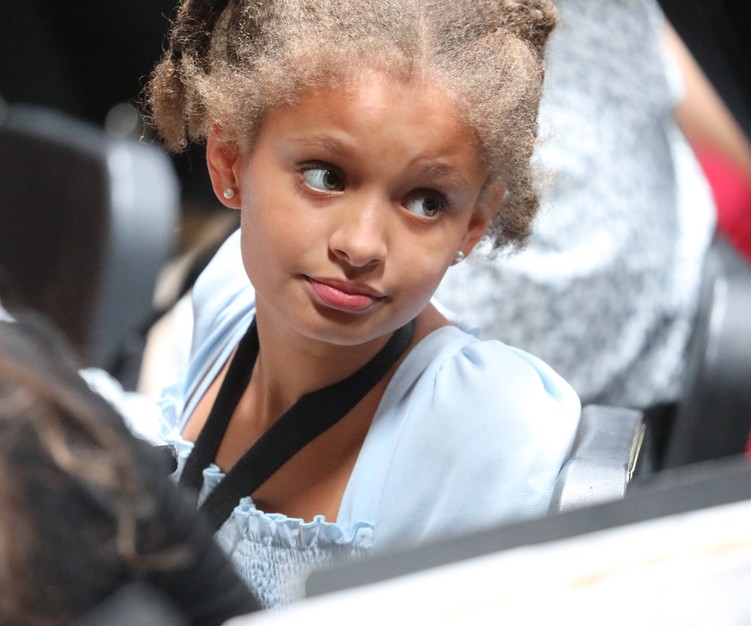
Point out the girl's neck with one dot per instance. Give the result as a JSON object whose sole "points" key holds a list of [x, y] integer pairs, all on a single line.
{"points": [[289, 366]]}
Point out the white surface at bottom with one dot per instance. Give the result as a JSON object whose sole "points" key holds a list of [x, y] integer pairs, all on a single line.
{"points": [[689, 569]]}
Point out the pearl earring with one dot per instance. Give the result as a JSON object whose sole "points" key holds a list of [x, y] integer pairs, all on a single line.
{"points": [[228, 193], [458, 257]]}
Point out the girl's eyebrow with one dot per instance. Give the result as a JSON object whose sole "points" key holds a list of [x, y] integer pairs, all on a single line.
{"points": [[441, 171], [326, 143]]}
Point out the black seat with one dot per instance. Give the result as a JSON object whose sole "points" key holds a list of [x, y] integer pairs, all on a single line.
{"points": [[713, 418], [87, 223]]}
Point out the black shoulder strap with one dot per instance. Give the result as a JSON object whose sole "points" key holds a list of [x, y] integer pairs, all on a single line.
{"points": [[312, 415], [234, 384]]}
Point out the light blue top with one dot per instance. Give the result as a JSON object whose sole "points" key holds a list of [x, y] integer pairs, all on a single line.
{"points": [[468, 434]]}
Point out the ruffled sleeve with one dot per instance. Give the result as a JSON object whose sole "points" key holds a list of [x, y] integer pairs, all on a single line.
{"points": [[478, 438]]}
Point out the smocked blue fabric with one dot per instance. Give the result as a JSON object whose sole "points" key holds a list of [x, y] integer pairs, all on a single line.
{"points": [[468, 434]]}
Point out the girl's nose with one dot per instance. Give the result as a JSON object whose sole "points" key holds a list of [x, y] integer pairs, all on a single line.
{"points": [[359, 234]]}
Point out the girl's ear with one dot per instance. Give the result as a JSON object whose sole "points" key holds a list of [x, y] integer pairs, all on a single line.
{"points": [[487, 206], [222, 158]]}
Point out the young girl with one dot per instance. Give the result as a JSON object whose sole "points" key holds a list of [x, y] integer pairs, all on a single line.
{"points": [[329, 410]]}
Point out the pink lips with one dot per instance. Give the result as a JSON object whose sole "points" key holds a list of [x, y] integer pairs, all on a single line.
{"points": [[344, 296]]}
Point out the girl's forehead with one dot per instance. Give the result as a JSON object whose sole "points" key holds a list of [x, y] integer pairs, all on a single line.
{"points": [[374, 86], [375, 93]]}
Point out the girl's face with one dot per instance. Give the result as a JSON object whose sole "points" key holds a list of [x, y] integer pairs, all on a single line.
{"points": [[354, 203]]}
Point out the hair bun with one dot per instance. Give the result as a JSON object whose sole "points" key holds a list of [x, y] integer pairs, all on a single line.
{"points": [[530, 20]]}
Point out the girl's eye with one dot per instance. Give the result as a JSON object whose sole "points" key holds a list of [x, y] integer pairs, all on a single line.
{"points": [[323, 178], [427, 205]]}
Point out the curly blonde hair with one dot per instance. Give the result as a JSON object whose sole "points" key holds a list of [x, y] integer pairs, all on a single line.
{"points": [[232, 61]]}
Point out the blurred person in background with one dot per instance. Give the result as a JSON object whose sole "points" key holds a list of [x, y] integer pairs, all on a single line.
{"points": [[607, 289]]}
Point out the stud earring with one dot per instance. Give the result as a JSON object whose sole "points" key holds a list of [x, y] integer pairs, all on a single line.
{"points": [[458, 257], [228, 193]]}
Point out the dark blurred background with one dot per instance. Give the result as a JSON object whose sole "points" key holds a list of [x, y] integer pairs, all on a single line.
{"points": [[86, 57], [717, 33]]}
